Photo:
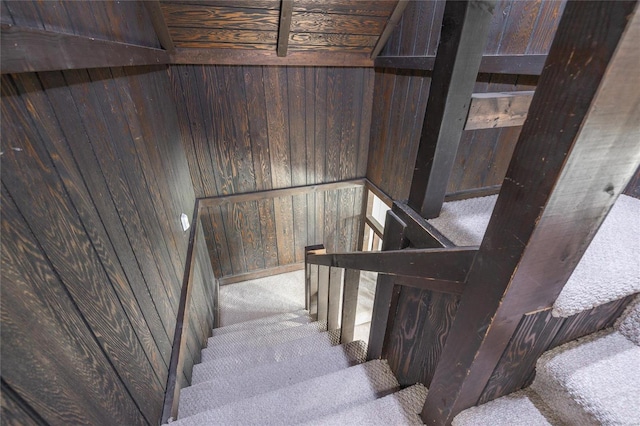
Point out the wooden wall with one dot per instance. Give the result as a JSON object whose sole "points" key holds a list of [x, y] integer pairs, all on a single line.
{"points": [[249, 129], [519, 27]]}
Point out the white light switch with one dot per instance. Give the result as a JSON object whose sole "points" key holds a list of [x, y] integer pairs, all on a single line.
{"points": [[185, 221]]}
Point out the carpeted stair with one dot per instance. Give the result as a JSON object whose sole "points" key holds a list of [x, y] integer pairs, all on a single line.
{"points": [[590, 381], [285, 369]]}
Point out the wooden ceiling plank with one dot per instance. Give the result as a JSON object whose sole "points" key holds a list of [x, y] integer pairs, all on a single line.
{"points": [[159, 24], [197, 16], [28, 50], [501, 109], [388, 29], [284, 27]]}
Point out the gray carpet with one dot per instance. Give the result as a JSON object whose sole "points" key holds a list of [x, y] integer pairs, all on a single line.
{"points": [[609, 269]]}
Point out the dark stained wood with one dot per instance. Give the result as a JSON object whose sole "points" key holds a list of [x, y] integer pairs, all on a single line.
{"points": [[377, 228], [338, 41], [159, 24], [492, 110], [633, 187], [389, 27], [449, 264], [323, 293], [420, 232], [383, 316], [284, 27], [15, 411], [58, 222], [347, 7], [202, 16], [580, 159], [220, 38], [464, 32], [25, 50], [440, 286], [263, 57], [420, 329], [498, 64], [32, 368], [305, 22], [472, 193]]}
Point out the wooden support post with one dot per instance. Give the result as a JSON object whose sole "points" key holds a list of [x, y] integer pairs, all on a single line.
{"points": [[323, 293], [286, 12], [465, 27], [393, 240], [349, 304], [576, 152]]}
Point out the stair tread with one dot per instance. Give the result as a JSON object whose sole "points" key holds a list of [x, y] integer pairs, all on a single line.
{"points": [[259, 321], [306, 400], [263, 356], [262, 379], [522, 407], [257, 331], [399, 408], [268, 339], [593, 380]]}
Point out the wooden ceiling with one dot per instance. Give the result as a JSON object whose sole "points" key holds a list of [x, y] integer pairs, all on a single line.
{"points": [[345, 26]]}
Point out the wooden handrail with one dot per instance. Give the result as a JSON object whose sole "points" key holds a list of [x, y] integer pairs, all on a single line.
{"points": [[443, 264]]}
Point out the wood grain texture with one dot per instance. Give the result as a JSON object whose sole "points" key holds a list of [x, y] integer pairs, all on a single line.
{"points": [[492, 110], [202, 16], [306, 22]]}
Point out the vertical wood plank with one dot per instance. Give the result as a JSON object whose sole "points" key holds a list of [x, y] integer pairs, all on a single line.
{"points": [[350, 304], [335, 291]]}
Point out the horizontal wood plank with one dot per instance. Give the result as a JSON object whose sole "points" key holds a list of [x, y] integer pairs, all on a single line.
{"points": [[340, 24], [490, 64], [27, 50], [310, 40], [252, 57], [197, 16], [283, 269], [275, 193], [492, 110], [375, 226], [346, 7], [244, 4], [210, 37]]}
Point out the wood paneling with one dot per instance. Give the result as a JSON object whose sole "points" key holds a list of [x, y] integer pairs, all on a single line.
{"points": [[248, 129], [539, 332], [95, 180], [518, 27]]}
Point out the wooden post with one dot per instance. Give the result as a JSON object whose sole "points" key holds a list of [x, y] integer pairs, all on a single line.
{"points": [[286, 12], [393, 240], [335, 290], [349, 304], [465, 28], [577, 150]]}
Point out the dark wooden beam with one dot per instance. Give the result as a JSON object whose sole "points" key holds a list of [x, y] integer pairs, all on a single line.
{"points": [[490, 64], [493, 110], [159, 24], [28, 50], [449, 264], [576, 152], [284, 27], [388, 29], [384, 301], [463, 37], [268, 57], [420, 232], [377, 228]]}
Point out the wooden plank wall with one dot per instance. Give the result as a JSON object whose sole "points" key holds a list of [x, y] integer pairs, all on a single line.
{"points": [[519, 27], [257, 128]]}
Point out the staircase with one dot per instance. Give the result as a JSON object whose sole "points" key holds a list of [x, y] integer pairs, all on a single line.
{"points": [[591, 381], [285, 369]]}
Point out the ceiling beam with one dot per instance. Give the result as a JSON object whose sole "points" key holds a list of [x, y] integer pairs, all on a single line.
{"points": [[159, 24], [574, 156], [465, 27], [388, 29], [284, 27], [496, 64], [266, 57], [28, 50]]}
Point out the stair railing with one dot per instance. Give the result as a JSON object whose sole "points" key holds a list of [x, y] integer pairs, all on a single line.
{"points": [[333, 279]]}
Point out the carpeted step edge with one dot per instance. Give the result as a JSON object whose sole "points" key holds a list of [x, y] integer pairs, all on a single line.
{"points": [[592, 381], [518, 408], [262, 379], [257, 331], [229, 349], [307, 400], [259, 321], [399, 408]]}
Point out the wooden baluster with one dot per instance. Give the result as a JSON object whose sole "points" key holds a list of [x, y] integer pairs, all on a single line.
{"points": [[349, 304]]}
